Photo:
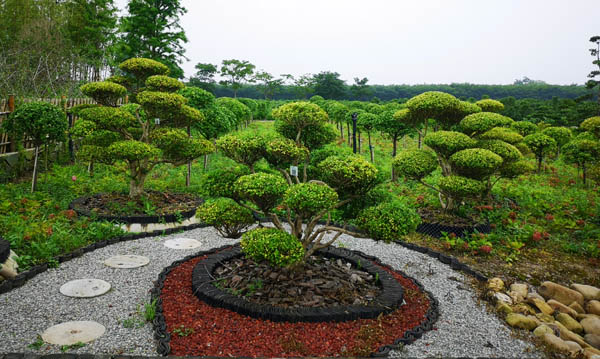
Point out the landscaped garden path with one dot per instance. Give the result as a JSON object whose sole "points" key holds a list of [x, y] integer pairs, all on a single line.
{"points": [[465, 328]]}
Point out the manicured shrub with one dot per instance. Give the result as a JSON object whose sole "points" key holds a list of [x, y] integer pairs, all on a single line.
{"points": [[176, 145], [446, 143], [592, 125], [227, 217], [489, 105], [432, 104], [316, 99], [561, 135], [311, 137], [143, 68], [242, 112], [458, 187], [197, 97], [583, 153], [479, 123], [503, 134], [308, 199], [516, 168], [160, 104], [263, 189], [163, 83], [105, 93], [415, 164], [220, 182], [540, 145], [508, 152], [300, 115], [246, 148], [276, 247], [524, 128], [388, 221], [348, 175], [108, 118], [477, 163], [282, 152]]}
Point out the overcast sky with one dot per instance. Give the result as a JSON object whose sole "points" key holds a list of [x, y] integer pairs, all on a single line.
{"points": [[398, 41]]}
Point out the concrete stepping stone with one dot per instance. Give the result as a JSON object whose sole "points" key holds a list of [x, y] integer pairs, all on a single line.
{"points": [[70, 333], [182, 243], [85, 288], [127, 261]]}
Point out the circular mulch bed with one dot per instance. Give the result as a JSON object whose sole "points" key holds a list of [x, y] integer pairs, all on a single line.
{"points": [[152, 207], [199, 329]]}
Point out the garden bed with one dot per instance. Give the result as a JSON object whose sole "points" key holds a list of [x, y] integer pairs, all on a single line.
{"points": [[436, 223]]}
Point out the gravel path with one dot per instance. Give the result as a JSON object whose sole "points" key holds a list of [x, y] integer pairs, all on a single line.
{"points": [[464, 329]]}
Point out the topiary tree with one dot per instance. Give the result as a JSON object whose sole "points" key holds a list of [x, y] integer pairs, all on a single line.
{"points": [[435, 105], [389, 220], [144, 134], [242, 113], [561, 135], [489, 105], [393, 124], [583, 153], [368, 122], [40, 122], [524, 128], [229, 218], [540, 144], [592, 125]]}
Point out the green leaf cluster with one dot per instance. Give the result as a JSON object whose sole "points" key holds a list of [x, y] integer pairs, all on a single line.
{"points": [[276, 247], [348, 175], [481, 122], [476, 163], [459, 187], [229, 218], [263, 189], [283, 152], [524, 128], [40, 121], [220, 182], [415, 164], [388, 221], [105, 92], [162, 83], [309, 199], [446, 143], [246, 148], [503, 134], [489, 105]]}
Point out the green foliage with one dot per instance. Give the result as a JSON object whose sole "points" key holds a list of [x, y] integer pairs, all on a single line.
{"points": [[282, 152], [109, 118], [197, 97], [329, 85], [489, 105], [133, 150], [142, 68], [561, 135], [105, 93], [366, 121], [483, 121], [242, 112], [582, 152], [309, 199], [540, 143], [508, 152], [177, 146], [389, 221], [162, 83], [312, 137], [592, 125], [40, 121], [516, 168], [503, 134], [160, 104], [415, 164], [432, 104], [217, 121], [524, 128], [348, 175], [446, 143], [263, 189], [476, 163], [236, 72], [393, 123], [300, 115], [459, 187], [276, 247], [220, 182], [316, 99], [245, 148], [229, 218]]}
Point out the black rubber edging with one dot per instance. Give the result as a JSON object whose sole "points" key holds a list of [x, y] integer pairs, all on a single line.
{"points": [[410, 336], [435, 229], [77, 204], [4, 250], [388, 300], [10, 284]]}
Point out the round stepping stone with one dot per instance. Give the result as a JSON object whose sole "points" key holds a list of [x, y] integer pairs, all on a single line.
{"points": [[70, 333], [127, 261], [85, 288], [182, 243]]}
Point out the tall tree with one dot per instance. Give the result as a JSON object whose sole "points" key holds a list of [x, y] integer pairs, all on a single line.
{"points": [[236, 73], [329, 85], [595, 52], [151, 29], [267, 83], [204, 77], [303, 86], [360, 89]]}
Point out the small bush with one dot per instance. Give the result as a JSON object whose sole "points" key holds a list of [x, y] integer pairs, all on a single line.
{"points": [[483, 121], [415, 164], [108, 118], [515, 169], [197, 97], [278, 248], [348, 175], [220, 182], [308, 199], [160, 104], [459, 187], [105, 92], [143, 68], [508, 152], [163, 83], [41, 121], [476, 163], [245, 148], [229, 218], [263, 189], [592, 125], [388, 221], [561, 135], [503, 134], [524, 128], [489, 105], [446, 143], [282, 152]]}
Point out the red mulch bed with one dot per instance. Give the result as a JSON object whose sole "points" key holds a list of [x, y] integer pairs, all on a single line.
{"points": [[198, 329]]}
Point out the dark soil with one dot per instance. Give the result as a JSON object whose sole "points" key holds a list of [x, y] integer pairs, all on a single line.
{"points": [[151, 203], [323, 282], [198, 329], [438, 216]]}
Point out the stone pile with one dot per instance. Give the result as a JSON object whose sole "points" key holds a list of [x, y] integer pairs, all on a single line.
{"points": [[566, 319]]}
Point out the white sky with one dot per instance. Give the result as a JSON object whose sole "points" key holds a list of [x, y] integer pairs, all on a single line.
{"points": [[398, 41]]}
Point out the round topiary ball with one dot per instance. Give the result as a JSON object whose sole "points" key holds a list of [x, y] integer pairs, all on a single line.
{"points": [[271, 245], [508, 152], [143, 68], [388, 221], [540, 143], [446, 143], [263, 189], [481, 122], [348, 175], [561, 135], [220, 182], [160, 104], [524, 128], [309, 199], [105, 92], [476, 163], [163, 83], [503, 134], [459, 187], [283, 152], [489, 105], [229, 218], [592, 125], [415, 164], [516, 168]]}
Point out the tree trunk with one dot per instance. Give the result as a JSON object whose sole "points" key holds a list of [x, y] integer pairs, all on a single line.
{"points": [[419, 141], [348, 127], [205, 161], [359, 143], [371, 148], [91, 168], [395, 141], [136, 185], [539, 169], [35, 169], [584, 174], [342, 130]]}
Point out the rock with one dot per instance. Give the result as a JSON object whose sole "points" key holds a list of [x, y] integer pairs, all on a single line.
{"points": [[591, 325], [516, 297], [569, 323], [495, 284], [593, 340], [523, 309], [355, 278], [562, 294], [8, 269], [593, 307], [503, 308], [545, 317], [555, 342], [566, 334], [520, 321], [520, 289], [531, 296], [573, 347], [542, 306], [589, 354], [502, 298], [588, 292], [576, 307], [541, 330], [559, 307]]}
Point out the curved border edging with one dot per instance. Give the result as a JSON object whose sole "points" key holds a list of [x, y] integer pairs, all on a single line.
{"points": [[10, 284], [76, 204], [4, 250], [388, 300], [164, 338]]}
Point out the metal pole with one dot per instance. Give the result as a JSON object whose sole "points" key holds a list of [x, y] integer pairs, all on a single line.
{"points": [[354, 116]]}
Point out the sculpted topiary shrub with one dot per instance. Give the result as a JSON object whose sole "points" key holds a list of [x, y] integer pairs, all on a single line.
{"points": [[583, 153], [220, 182], [144, 134], [489, 105], [271, 245], [524, 128], [229, 218], [388, 221], [540, 145], [561, 135]]}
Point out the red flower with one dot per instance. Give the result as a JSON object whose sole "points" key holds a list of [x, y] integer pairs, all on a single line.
{"points": [[51, 216], [512, 215], [580, 222], [69, 213], [546, 235], [485, 249], [452, 235], [27, 237], [49, 231], [536, 237], [493, 225], [420, 198], [549, 217]]}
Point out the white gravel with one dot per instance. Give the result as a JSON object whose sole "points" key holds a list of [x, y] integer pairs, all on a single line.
{"points": [[464, 329]]}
